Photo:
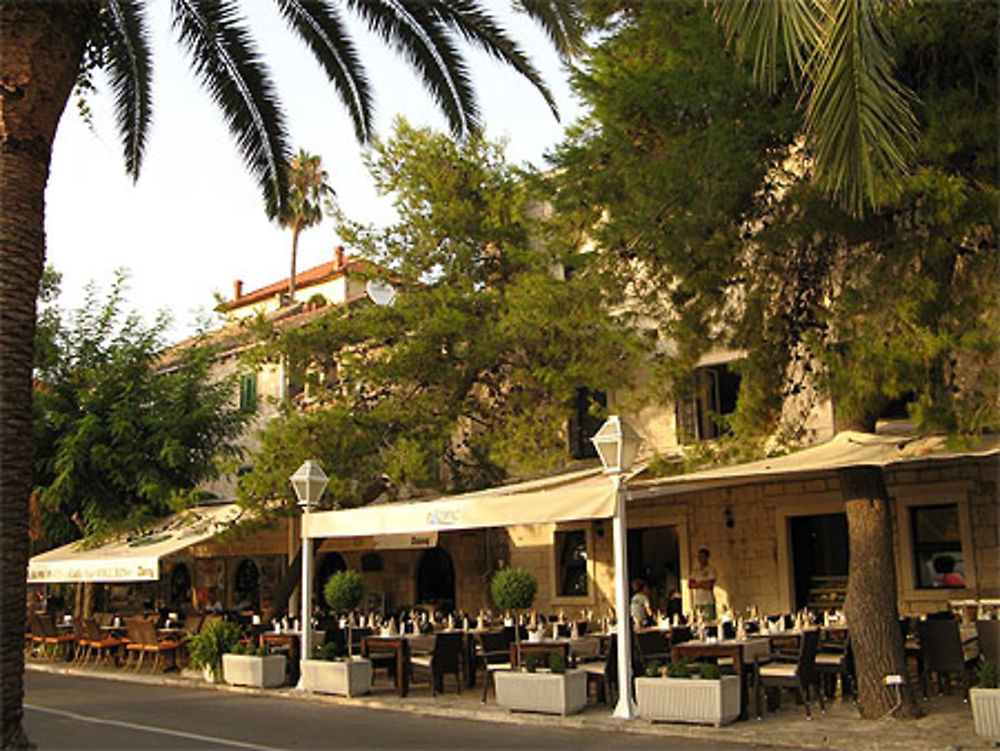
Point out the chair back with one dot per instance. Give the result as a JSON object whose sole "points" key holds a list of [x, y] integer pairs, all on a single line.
{"points": [[585, 649], [104, 619], [989, 640], [92, 630], [808, 648], [448, 651], [652, 645], [46, 624], [140, 630], [680, 634], [193, 623], [496, 648], [941, 644]]}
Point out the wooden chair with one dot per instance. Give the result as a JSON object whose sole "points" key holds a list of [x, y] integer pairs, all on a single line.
{"points": [[652, 645], [988, 634], [943, 654], [443, 658], [100, 644], [493, 653], [44, 629], [143, 638], [604, 674], [798, 674], [834, 660]]}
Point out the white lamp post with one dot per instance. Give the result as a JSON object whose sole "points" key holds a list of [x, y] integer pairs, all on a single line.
{"points": [[309, 481], [617, 444]]}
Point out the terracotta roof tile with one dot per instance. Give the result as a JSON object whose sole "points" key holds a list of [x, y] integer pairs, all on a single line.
{"points": [[308, 278]]}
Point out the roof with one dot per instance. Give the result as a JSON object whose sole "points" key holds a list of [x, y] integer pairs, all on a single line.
{"points": [[132, 557], [846, 449], [308, 278]]}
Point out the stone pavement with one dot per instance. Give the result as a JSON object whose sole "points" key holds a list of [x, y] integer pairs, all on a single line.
{"points": [[947, 725]]}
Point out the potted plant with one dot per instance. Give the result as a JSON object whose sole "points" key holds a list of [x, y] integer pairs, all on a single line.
{"points": [[514, 589], [679, 697], [553, 691], [985, 701], [331, 671], [247, 665], [206, 648]]}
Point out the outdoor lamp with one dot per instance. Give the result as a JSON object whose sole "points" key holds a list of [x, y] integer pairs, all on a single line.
{"points": [[617, 444], [309, 481]]}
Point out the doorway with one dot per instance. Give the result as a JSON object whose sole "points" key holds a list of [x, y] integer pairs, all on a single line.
{"points": [[654, 556], [436, 580], [819, 559]]}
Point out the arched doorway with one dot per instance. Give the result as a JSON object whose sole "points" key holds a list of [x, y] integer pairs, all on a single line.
{"points": [[330, 564], [436, 579], [180, 586], [246, 585]]}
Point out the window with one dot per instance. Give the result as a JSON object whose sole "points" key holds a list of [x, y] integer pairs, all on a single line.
{"points": [[571, 563], [937, 547], [248, 391], [583, 423], [712, 393]]}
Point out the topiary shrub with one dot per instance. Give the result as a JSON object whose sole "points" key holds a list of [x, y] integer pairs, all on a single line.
{"points": [[557, 663], [206, 648], [679, 669], [988, 674], [513, 589], [653, 669], [343, 591], [531, 663], [710, 671], [329, 652]]}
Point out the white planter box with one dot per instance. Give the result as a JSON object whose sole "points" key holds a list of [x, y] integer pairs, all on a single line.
{"points": [[689, 699], [250, 670], [345, 677], [986, 712], [549, 693]]}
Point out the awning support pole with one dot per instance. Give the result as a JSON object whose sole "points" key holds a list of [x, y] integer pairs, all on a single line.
{"points": [[305, 598], [625, 708]]}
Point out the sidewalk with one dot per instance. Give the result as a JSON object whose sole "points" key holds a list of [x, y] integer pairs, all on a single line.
{"points": [[946, 726]]}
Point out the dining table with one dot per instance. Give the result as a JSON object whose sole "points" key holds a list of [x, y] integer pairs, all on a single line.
{"points": [[745, 654]]}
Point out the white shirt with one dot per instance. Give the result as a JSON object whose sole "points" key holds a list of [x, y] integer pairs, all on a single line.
{"points": [[701, 596]]}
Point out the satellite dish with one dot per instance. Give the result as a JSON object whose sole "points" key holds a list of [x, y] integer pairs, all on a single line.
{"points": [[381, 293]]}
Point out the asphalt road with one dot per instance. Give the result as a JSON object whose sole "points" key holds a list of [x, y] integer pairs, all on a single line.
{"points": [[63, 712]]}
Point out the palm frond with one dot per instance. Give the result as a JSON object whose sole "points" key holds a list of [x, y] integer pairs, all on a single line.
{"points": [[859, 121], [561, 20], [225, 58], [130, 72], [321, 28], [422, 39], [767, 30], [479, 28]]}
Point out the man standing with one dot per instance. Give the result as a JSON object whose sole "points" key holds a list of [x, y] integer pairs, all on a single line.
{"points": [[702, 584]]}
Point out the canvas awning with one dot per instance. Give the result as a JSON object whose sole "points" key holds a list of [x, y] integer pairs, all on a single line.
{"points": [[135, 557], [586, 494], [846, 449]]}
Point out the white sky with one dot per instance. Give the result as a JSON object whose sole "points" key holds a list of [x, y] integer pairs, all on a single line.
{"points": [[195, 220]]}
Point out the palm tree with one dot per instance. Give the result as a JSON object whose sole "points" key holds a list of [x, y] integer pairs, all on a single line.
{"points": [[306, 190], [45, 48], [859, 122]]}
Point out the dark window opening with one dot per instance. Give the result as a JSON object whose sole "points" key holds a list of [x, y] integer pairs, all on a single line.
{"points": [[820, 558], [712, 394], [436, 579], [583, 423], [937, 547], [898, 409], [328, 566], [571, 561], [248, 391]]}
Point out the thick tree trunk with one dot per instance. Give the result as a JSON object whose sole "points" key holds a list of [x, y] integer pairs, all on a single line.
{"points": [[871, 609], [41, 47]]}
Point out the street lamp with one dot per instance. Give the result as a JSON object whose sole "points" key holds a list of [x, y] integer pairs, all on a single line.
{"points": [[617, 445], [308, 482]]}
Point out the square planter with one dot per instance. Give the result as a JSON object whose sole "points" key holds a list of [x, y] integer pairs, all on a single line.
{"points": [[344, 677], [689, 699], [549, 693], [986, 712], [249, 670]]}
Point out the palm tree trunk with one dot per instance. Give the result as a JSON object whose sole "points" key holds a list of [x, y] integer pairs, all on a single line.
{"points": [[291, 275], [871, 609], [41, 48]]}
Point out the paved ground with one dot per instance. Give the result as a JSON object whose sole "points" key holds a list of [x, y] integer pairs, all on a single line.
{"points": [[66, 711]]}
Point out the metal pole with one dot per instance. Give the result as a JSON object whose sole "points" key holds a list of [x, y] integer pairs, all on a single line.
{"points": [[625, 708], [305, 598]]}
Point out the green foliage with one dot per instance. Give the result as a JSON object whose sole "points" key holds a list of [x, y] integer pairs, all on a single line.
{"points": [[344, 590], [249, 649], [679, 669], [709, 671], [987, 674], [653, 669], [557, 663], [473, 371], [206, 648], [330, 652], [513, 589], [531, 662], [121, 436]]}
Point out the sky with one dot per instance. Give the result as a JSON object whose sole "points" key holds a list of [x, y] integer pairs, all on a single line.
{"points": [[194, 221]]}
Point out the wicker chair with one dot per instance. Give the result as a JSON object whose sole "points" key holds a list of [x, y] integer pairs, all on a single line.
{"points": [[941, 645], [988, 633], [493, 653], [143, 639], [798, 673], [444, 657]]}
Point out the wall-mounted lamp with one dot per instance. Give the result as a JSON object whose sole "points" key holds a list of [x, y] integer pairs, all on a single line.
{"points": [[599, 528], [727, 516]]}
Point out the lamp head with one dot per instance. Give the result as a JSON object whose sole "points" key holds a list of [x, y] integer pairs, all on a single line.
{"points": [[308, 482], [617, 445]]}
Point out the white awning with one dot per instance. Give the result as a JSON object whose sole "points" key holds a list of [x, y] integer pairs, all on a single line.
{"points": [[846, 449], [586, 494], [135, 557]]}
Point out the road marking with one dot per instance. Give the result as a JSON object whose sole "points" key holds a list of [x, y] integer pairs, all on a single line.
{"points": [[149, 728]]}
